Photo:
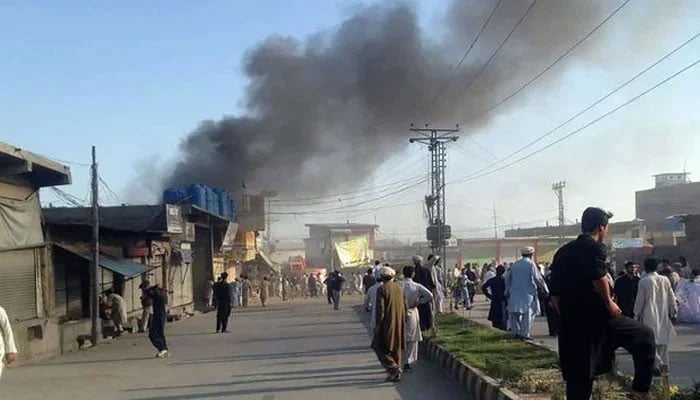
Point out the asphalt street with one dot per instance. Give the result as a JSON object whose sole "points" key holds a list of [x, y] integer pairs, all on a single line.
{"points": [[302, 350]]}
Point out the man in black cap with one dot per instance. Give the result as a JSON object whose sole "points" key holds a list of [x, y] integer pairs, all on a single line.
{"points": [[592, 326], [222, 295]]}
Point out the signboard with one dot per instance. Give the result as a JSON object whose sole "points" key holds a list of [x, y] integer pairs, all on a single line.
{"points": [[229, 237], [353, 253], [173, 218], [627, 243], [189, 232]]}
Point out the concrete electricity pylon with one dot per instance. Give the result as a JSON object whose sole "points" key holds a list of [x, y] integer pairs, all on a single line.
{"points": [[559, 191], [437, 232]]}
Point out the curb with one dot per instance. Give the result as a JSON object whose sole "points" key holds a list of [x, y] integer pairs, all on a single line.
{"points": [[478, 385]]}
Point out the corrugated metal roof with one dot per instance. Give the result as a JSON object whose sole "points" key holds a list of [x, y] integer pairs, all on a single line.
{"points": [[119, 265], [142, 218]]}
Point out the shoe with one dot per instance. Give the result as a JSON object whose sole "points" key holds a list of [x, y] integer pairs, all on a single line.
{"points": [[162, 354], [407, 367], [397, 377], [226, 331]]}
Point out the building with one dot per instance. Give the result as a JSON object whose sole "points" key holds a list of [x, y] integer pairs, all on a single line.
{"points": [[507, 249], [320, 247], [629, 229], [26, 270], [673, 195]]}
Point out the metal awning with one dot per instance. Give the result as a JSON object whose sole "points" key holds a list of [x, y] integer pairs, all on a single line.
{"points": [[117, 265]]}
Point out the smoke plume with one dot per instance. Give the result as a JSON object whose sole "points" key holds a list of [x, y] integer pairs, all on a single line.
{"points": [[324, 112]]}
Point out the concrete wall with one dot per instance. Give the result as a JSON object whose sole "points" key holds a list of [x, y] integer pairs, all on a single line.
{"points": [[29, 345], [655, 205]]}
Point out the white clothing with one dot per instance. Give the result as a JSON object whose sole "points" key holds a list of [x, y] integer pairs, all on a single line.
{"points": [[489, 274], [370, 304], [411, 352], [7, 339], [118, 305], [655, 305], [375, 271], [415, 294]]}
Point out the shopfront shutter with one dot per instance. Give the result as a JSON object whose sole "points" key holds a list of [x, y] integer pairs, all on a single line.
{"points": [[18, 283]]}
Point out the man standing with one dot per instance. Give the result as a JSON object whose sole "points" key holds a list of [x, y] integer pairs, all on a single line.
{"points": [[376, 268], [591, 325], [437, 273], [423, 276], [522, 281], [655, 307], [264, 289], [156, 332], [686, 270], [335, 285], [370, 304], [245, 290], [222, 295], [388, 342], [626, 288], [236, 293], [368, 280], [8, 349], [415, 294], [313, 289], [495, 290]]}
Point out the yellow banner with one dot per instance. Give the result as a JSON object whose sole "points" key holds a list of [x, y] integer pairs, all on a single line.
{"points": [[353, 253]]}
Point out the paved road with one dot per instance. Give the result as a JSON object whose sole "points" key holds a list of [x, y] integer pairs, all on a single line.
{"points": [[299, 351], [685, 357]]}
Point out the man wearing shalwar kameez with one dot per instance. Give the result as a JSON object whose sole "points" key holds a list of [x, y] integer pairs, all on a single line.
{"points": [[415, 294], [388, 342], [424, 277], [522, 281], [655, 306]]}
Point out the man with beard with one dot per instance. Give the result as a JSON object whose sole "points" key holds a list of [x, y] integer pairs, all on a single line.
{"points": [[592, 326], [390, 316], [424, 277]]}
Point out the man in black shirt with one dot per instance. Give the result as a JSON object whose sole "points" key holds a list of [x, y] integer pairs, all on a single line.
{"points": [[425, 278], [156, 332], [222, 295], [335, 287], [626, 288], [592, 326]]}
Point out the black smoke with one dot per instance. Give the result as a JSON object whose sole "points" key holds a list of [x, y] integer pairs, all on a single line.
{"points": [[324, 112]]}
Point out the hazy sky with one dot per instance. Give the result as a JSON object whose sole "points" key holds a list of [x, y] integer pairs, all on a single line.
{"points": [[134, 78]]}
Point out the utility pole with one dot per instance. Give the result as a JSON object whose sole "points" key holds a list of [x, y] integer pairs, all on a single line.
{"points": [[559, 191], [267, 195], [96, 328], [495, 222], [437, 232]]}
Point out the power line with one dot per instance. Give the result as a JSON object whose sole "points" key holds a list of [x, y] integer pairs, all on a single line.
{"points": [[493, 56], [456, 68], [572, 133], [550, 66]]}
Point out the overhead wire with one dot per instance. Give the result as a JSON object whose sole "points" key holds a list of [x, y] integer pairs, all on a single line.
{"points": [[457, 66], [556, 61], [572, 133], [492, 57]]}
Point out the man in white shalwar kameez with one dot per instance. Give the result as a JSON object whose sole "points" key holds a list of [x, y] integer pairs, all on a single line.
{"points": [[655, 307], [415, 294], [522, 281], [438, 275], [8, 349]]}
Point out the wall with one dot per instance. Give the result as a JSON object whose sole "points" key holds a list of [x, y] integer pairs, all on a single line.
{"points": [[655, 205]]}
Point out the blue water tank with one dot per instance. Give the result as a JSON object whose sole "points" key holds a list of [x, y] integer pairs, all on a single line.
{"points": [[174, 196], [212, 204], [196, 195], [675, 223], [221, 202]]}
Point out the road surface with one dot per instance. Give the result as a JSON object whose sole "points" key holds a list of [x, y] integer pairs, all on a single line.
{"points": [[302, 350], [684, 354]]}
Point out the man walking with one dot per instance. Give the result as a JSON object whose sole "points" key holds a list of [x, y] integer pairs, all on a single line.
{"points": [[222, 295], [370, 304], [522, 281], [156, 332], [245, 290], [423, 276], [655, 307], [415, 294], [626, 288], [591, 325], [313, 288], [147, 307], [388, 342], [8, 349]]}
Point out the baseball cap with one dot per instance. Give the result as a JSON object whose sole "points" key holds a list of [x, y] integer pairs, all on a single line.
{"points": [[593, 217]]}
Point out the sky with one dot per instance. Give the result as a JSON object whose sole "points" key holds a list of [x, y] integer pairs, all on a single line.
{"points": [[134, 78]]}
